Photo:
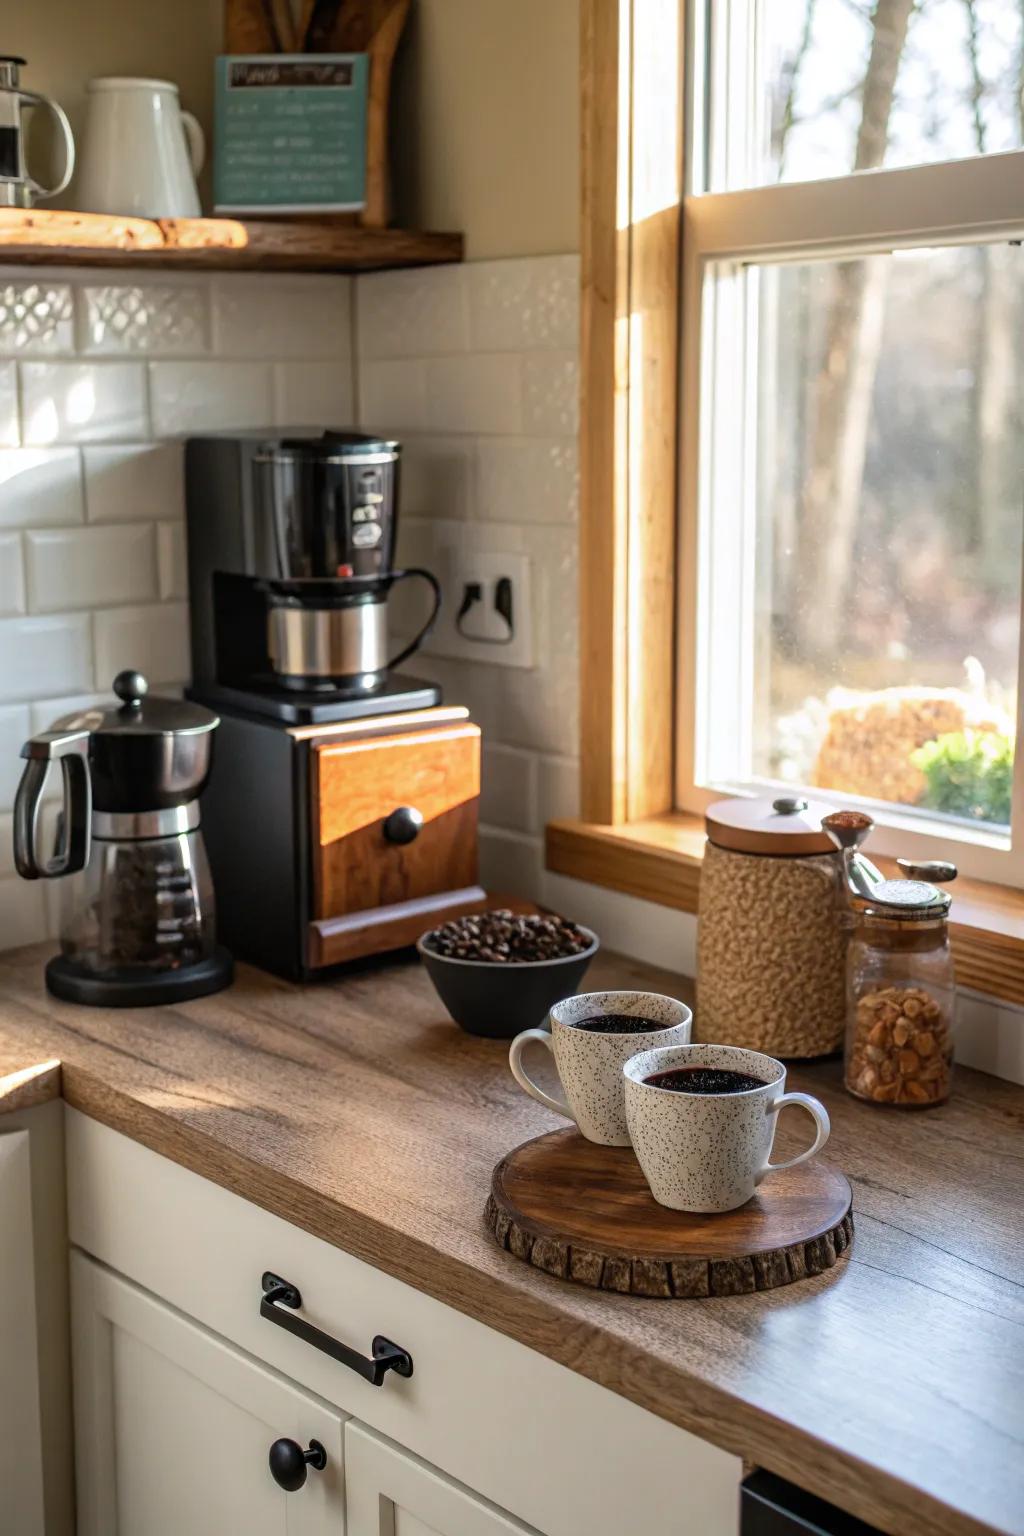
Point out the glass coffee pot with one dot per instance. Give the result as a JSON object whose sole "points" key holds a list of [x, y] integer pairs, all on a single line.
{"points": [[137, 922]]}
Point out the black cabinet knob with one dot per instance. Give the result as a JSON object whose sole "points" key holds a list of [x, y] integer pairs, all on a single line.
{"points": [[288, 1462], [403, 825]]}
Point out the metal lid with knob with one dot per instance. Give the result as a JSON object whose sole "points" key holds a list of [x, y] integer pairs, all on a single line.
{"points": [[785, 825], [140, 714], [913, 899]]}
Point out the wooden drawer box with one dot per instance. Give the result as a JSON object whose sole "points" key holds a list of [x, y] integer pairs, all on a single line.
{"points": [[363, 878]]}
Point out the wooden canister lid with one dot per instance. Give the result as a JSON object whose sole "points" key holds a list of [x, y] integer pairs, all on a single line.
{"points": [[785, 825]]}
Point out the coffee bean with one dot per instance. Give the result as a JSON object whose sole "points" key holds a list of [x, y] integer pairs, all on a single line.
{"points": [[502, 938]]}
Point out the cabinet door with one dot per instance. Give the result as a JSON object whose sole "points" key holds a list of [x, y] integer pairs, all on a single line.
{"points": [[390, 1492], [21, 1461], [173, 1426]]}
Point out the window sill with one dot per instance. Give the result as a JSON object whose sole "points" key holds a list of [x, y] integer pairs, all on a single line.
{"points": [[660, 859]]}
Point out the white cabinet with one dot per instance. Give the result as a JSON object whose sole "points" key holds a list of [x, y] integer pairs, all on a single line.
{"points": [[393, 1493], [21, 1462], [527, 1435], [173, 1426]]}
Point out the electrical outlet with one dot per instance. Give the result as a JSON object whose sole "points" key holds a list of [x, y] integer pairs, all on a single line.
{"points": [[480, 589]]}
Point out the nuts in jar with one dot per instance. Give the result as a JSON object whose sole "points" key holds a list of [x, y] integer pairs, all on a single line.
{"points": [[901, 1050]]}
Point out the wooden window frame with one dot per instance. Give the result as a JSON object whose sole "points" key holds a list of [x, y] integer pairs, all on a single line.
{"points": [[629, 837]]}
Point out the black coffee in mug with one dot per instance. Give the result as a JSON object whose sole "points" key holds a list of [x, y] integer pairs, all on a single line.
{"points": [[618, 1024], [704, 1080]]}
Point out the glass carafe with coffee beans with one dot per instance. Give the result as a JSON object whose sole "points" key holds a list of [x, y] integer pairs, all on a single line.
{"points": [[899, 969], [137, 914]]}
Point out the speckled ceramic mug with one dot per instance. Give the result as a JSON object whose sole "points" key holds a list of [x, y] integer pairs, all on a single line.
{"points": [[710, 1151], [590, 1062]]}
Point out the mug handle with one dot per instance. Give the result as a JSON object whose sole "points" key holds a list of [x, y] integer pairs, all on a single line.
{"points": [[527, 1084], [824, 1125], [196, 139]]}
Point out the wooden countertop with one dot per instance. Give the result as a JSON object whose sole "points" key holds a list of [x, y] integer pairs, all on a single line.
{"points": [[892, 1385]]}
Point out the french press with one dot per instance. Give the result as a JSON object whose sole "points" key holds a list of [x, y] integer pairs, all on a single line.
{"points": [[19, 189], [138, 926]]}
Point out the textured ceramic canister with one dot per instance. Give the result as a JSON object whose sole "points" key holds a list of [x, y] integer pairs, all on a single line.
{"points": [[710, 1151], [590, 1062], [771, 950]]}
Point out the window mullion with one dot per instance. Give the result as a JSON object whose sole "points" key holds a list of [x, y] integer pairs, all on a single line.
{"points": [[958, 202]]}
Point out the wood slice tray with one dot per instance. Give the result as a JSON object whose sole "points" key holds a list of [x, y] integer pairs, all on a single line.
{"points": [[585, 1213]]}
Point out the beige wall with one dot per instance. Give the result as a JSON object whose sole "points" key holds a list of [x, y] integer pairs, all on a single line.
{"points": [[66, 42], [486, 127], [486, 121]]}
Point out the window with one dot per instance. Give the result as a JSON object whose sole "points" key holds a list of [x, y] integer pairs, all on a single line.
{"points": [[853, 414]]}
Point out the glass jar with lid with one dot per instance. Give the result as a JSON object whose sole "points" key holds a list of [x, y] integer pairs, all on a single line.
{"points": [[901, 994], [899, 976]]}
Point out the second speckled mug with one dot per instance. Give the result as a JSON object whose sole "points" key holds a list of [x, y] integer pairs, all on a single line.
{"points": [[590, 1062], [709, 1151]]}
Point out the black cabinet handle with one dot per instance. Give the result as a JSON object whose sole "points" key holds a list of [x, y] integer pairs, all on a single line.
{"points": [[403, 825], [288, 1463], [279, 1294]]}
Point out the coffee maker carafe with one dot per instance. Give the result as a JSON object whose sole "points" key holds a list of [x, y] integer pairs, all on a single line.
{"points": [[137, 921], [291, 544]]}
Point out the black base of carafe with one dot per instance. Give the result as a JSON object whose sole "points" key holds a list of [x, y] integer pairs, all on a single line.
{"points": [[139, 988]]}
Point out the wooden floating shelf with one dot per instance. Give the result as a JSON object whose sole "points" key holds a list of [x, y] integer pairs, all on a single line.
{"points": [[53, 237]]}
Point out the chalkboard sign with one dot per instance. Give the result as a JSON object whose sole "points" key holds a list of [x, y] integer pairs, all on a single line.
{"points": [[290, 132]]}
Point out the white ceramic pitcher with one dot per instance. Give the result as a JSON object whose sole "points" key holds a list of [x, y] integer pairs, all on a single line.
{"points": [[142, 152]]}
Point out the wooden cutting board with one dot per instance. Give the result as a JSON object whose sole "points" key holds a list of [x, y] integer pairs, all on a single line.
{"points": [[585, 1213]]}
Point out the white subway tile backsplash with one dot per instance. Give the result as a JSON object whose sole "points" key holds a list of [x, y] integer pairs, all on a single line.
{"points": [[209, 397], [40, 656], [9, 430], [45, 711], [990, 1035], [15, 729], [528, 480], [522, 306], [438, 476], [83, 402], [510, 865], [282, 317], [153, 640], [551, 387], [313, 394], [414, 313], [36, 316], [508, 788], [12, 574], [40, 487], [393, 397], [172, 560], [476, 393], [168, 319], [558, 789], [133, 484], [90, 567], [465, 682], [540, 708], [23, 918]]}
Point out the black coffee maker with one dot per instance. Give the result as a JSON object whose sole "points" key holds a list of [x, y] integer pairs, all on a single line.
{"points": [[341, 814], [291, 545]]}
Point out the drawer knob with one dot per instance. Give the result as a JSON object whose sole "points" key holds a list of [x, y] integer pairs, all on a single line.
{"points": [[288, 1463], [403, 825]]}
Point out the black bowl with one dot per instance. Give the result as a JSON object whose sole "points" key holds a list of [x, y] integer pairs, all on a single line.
{"points": [[487, 998]]}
